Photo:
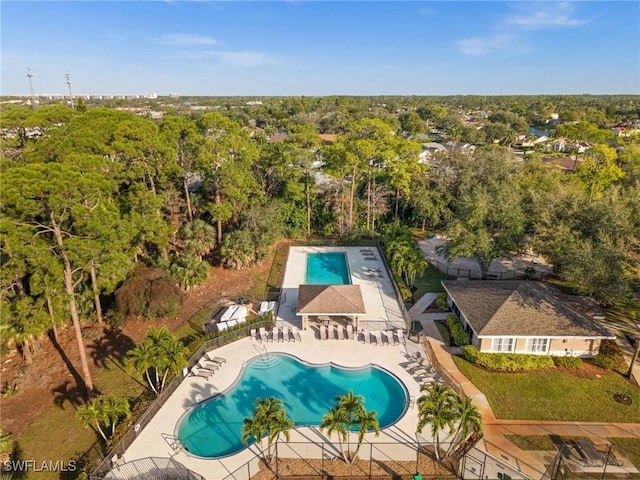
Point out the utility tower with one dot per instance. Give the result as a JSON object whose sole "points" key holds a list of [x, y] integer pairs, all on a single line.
{"points": [[33, 92], [70, 94]]}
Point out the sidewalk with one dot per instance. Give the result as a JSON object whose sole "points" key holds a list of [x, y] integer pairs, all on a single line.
{"points": [[494, 442]]}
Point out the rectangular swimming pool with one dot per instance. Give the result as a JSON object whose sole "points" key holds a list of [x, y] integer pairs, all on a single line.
{"points": [[328, 269]]}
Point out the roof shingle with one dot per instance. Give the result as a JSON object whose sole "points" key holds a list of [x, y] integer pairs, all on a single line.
{"points": [[330, 300], [515, 308]]}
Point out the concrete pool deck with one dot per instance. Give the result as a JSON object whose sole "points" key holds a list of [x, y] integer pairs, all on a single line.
{"points": [[382, 313], [154, 440]]}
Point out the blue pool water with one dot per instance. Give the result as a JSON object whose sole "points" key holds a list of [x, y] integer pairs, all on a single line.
{"points": [[213, 428], [327, 269]]}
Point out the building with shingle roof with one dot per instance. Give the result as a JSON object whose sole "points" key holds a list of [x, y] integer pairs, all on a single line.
{"points": [[330, 301], [524, 317]]}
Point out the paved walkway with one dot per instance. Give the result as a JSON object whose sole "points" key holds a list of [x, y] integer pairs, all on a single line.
{"points": [[530, 462]]}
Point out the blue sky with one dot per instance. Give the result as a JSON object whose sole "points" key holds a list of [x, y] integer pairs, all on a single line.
{"points": [[321, 47]]}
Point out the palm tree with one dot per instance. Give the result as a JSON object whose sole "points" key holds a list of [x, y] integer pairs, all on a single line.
{"points": [[437, 408], [269, 419], [281, 425], [93, 412], [199, 237], [173, 358], [253, 428], [188, 270], [335, 422], [469, 420], [141, 359], [114, 409], [367, 421], [353, 408]]}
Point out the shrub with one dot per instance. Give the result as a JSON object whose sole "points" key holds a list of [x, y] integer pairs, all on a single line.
{"points": [[149, 293], [610, 348], [568, 362], [470, 353], [506, 362], [441, 302], [604, 361], [458, 334], [406, 294]]}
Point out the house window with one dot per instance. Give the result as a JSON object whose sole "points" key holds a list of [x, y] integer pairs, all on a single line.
{"points": [[502, 345], [537, 345]]}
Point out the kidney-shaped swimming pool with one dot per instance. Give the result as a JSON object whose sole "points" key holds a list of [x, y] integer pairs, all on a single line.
{"points": [[213, 428]]}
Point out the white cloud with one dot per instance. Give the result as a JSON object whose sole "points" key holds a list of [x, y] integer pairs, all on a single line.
{"points": [[541, 15], [244, 58], [186, 40], [480, 46]]}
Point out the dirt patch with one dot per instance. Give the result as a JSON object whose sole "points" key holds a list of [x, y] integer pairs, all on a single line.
{"points": [[300, 468], [53, 375]]}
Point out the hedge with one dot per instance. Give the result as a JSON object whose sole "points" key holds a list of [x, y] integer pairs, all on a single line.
{"points": [[506, 362], [441, 302], [568, 362], [458, 334], [602, 360]]}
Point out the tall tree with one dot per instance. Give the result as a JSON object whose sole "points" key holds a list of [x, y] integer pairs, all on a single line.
{"points": [[469, 421], [437, 408], [62, 206], [182, 136], [488, 221], [225, 160], [269, 419], [93, 412]]}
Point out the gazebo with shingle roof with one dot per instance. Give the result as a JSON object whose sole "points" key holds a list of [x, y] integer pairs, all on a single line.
{"points": [[330, 301]]}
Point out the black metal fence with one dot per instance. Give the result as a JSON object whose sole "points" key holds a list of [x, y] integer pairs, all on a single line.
{"points": [[476, 274], [323, 460], [443, 372], [107, 462]]}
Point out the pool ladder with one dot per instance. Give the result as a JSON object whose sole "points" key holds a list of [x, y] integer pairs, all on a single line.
{"points": [[262, 351]]}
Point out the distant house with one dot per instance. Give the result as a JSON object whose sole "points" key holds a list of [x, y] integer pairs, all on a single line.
{"points": [[524, 317], [565, 164], [430, 151], [281, 137], [465, 148]]}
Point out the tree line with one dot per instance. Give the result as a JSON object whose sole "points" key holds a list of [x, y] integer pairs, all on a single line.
{"points": [[94, 195]]}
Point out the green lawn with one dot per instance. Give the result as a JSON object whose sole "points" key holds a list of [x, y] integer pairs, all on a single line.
{"points": [[57, 435], [551, 395], [429, 282]]}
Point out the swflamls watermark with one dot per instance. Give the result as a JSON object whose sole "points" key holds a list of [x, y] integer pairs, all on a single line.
{"points": [[39, 466]]}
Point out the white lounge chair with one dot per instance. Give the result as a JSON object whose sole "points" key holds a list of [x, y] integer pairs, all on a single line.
{"points": [[340, 332], [350, 332], [378, 337], [323, 332], [254, 334], [385, 337], [207, 365], [213, 358], [415, 364], [366, 336], [399, 336], [263, 335], [296, 334], [200, 372], [418, 372]]}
